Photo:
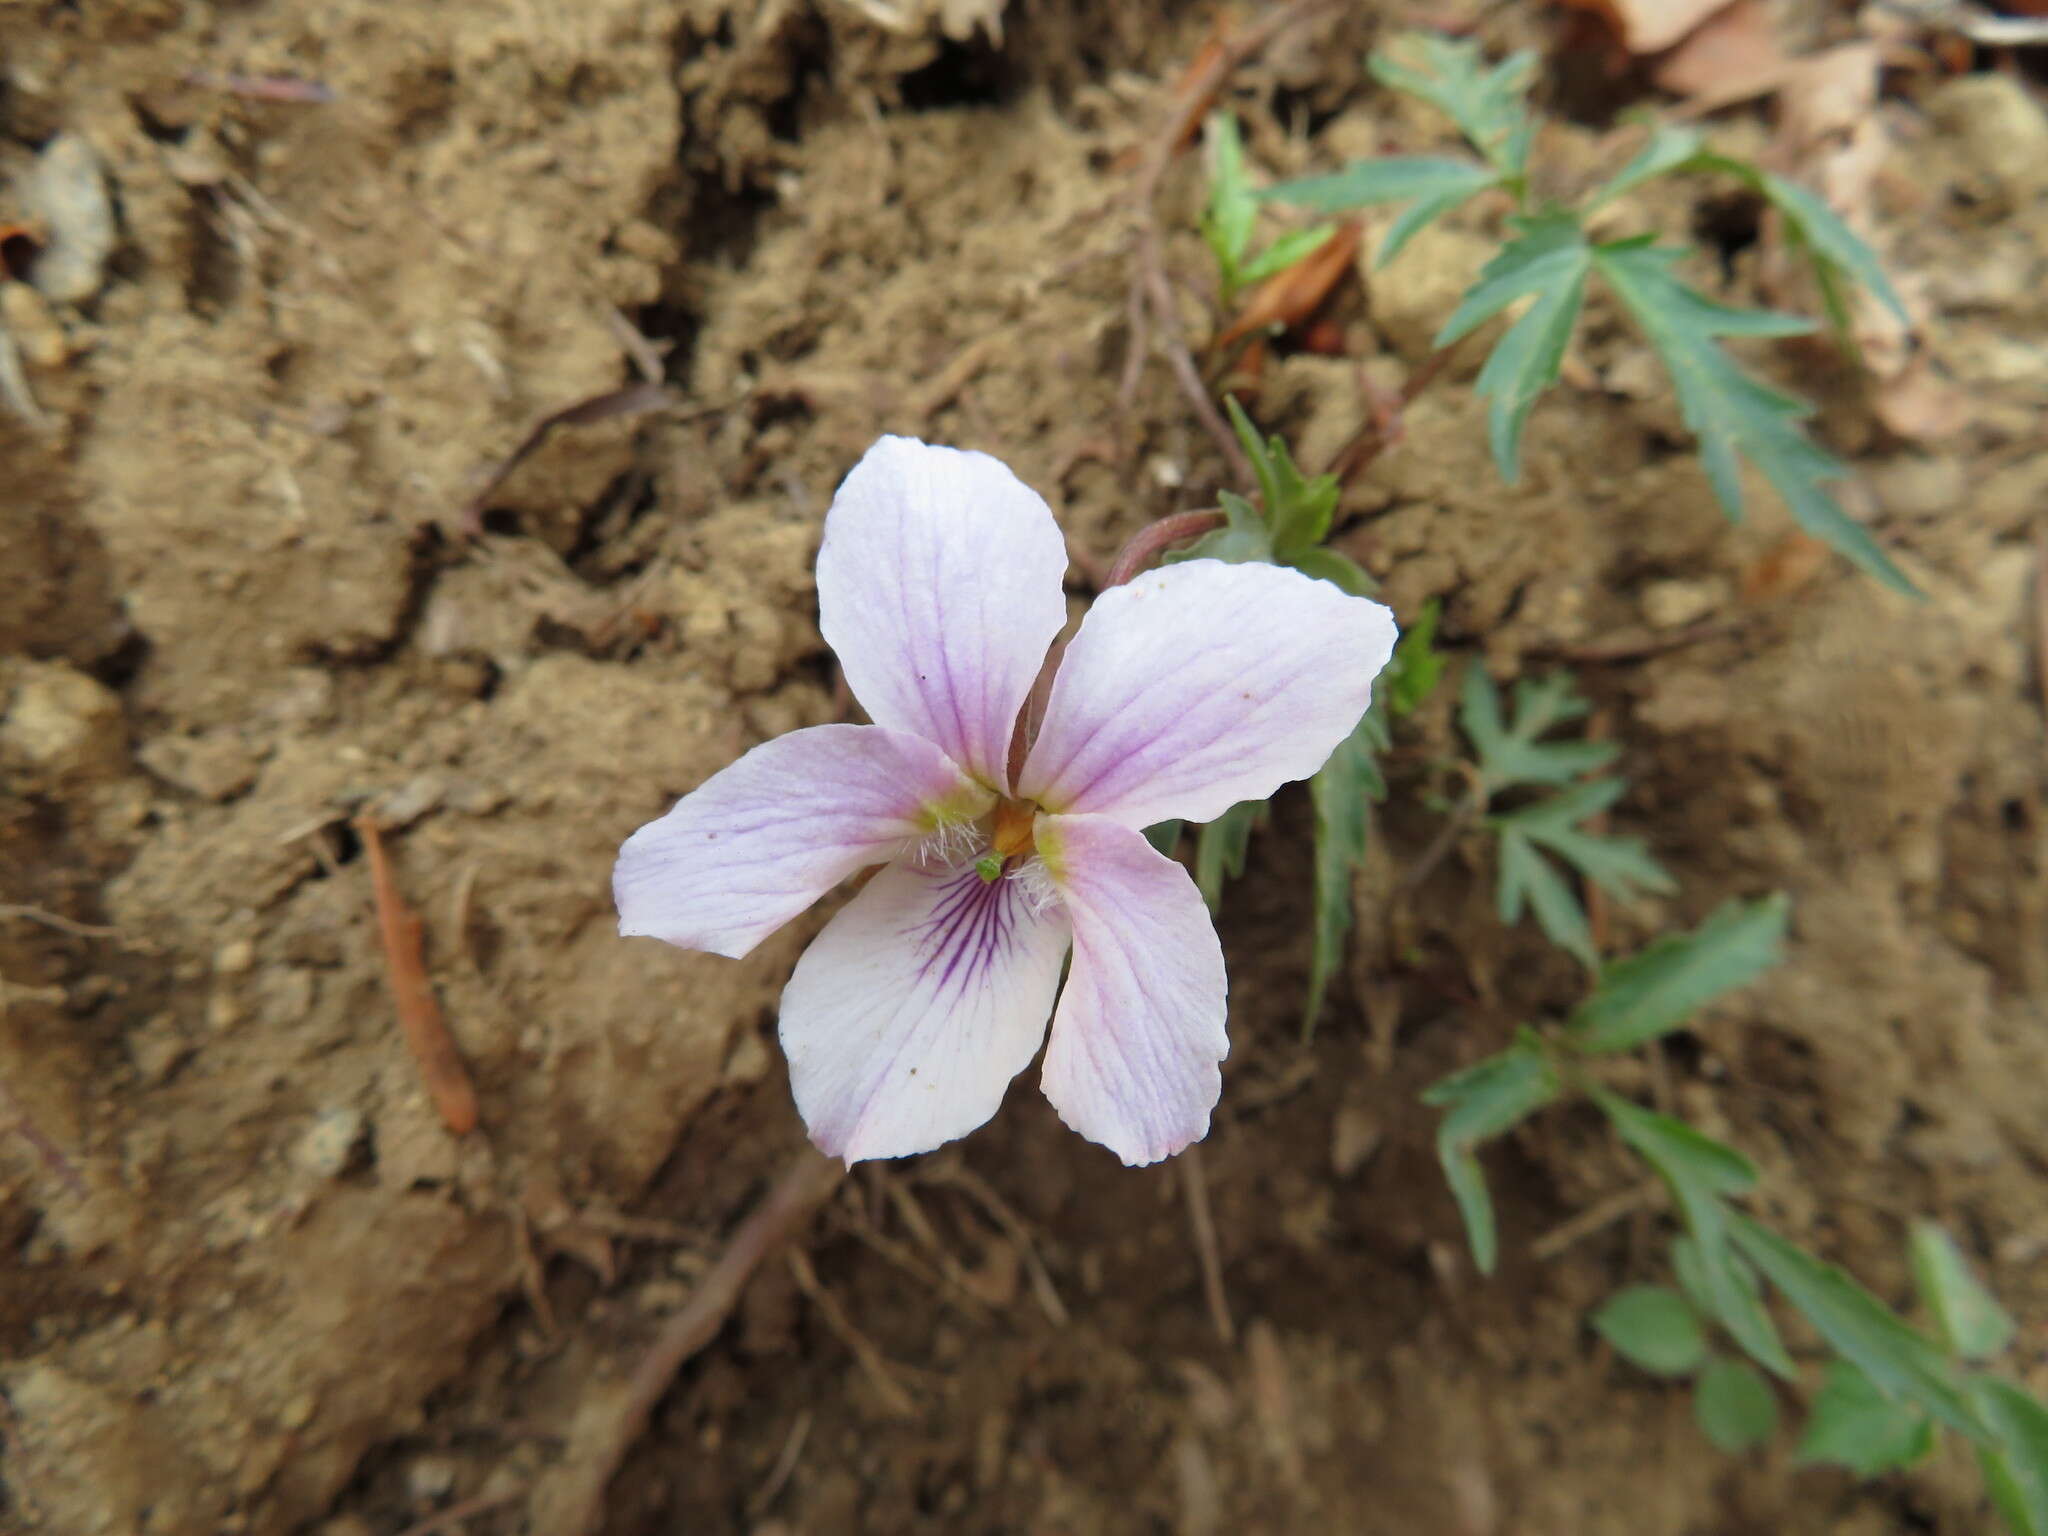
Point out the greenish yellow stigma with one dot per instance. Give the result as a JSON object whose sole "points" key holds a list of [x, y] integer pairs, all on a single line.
{"points": [[988, 866]]}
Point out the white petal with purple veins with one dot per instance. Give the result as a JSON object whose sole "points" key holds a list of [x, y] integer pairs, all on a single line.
{"points": [[939, 590], [907, 1017], [1202, 684], [1139, 1032], [762, 839]]}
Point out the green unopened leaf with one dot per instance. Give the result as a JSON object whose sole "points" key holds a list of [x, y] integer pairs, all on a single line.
{"points": [[1897, 1358], [1227, 221], [1967, 1318], [1728, 411], [1242, 540], [1735, 1406], [1342, 789], [1700, 1172], [1450, 73], [1418, 666], [1480, 1102], [1432, 184], [1285, 252], [1661, 987], [1547, 261], [1220, 848], [1653, 1327], [2016, 1465], [1668, 149], [1854, 1425]]}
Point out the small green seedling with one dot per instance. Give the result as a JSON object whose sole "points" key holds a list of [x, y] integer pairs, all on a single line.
{"points": [[1232, 214]]}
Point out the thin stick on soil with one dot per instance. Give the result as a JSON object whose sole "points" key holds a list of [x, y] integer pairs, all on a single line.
{"points": [[804, 1185], [1195, 1184], [785, 1467], [419, 1016], [59, 922], [872, 1364]]}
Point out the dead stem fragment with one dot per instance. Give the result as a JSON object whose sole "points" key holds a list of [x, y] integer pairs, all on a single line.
{"points": [[419, 1015], [630, 401], [805, 1185]]}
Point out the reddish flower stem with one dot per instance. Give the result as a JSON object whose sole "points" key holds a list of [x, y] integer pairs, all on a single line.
{"points": [[1154, 539]]}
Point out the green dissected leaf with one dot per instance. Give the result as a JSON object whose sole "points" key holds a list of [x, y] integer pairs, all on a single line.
{"points": [[1653, 1327], [1971, 1323], [1284, 253], [1731, 413], [1735, 1406], [1660, 988], [1296, 508], [1418, 666], [1897, 1358], [1548, 260], [1854, 1425], [1339, 571], [2016, 1470], [1699, 1172], [1480, 1102], [1432, 184], [1450, 73], [1514, 756], [1164, 836], [1528, 881], [1619, 865], [1220, 848], [1669, 149], [1342, 790], [1839, 256], [1227, 221]]}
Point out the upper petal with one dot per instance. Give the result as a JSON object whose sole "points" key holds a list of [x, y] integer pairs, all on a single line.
{"points": [[1202, 684], [907, 1017], [939, 588], [765, 837], [1139, 1032]]}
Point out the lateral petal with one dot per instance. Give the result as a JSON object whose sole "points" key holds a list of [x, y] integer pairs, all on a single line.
{"points": [[909, 1014], [766, 836], [939, 590], [1140, 1029], [1201, 684]]}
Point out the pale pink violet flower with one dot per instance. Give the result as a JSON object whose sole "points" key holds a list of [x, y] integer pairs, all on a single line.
{"points": [[1183, 692]]}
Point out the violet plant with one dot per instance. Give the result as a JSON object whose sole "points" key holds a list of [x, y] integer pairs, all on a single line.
{"points": [[1551, 259], [1004, 823], [1888, 1389]]}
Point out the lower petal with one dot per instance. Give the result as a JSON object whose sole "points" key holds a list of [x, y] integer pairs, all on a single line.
{"points": [[1133, 1062], [907, 1017], [762, 839]]}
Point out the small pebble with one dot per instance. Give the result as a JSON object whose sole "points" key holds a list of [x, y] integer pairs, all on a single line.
{"points": [[430, 1479], [69, 191], [234, 957], [330, 1141]]}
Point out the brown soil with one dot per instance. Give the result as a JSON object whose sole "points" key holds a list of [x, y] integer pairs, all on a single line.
{"points": [[266, 1291]]}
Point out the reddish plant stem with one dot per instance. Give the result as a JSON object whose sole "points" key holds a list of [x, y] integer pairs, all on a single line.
{"points": [[1154, 539]]}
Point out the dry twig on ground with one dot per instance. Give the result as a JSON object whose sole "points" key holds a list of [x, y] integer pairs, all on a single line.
{"points": [[412, 993]]}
